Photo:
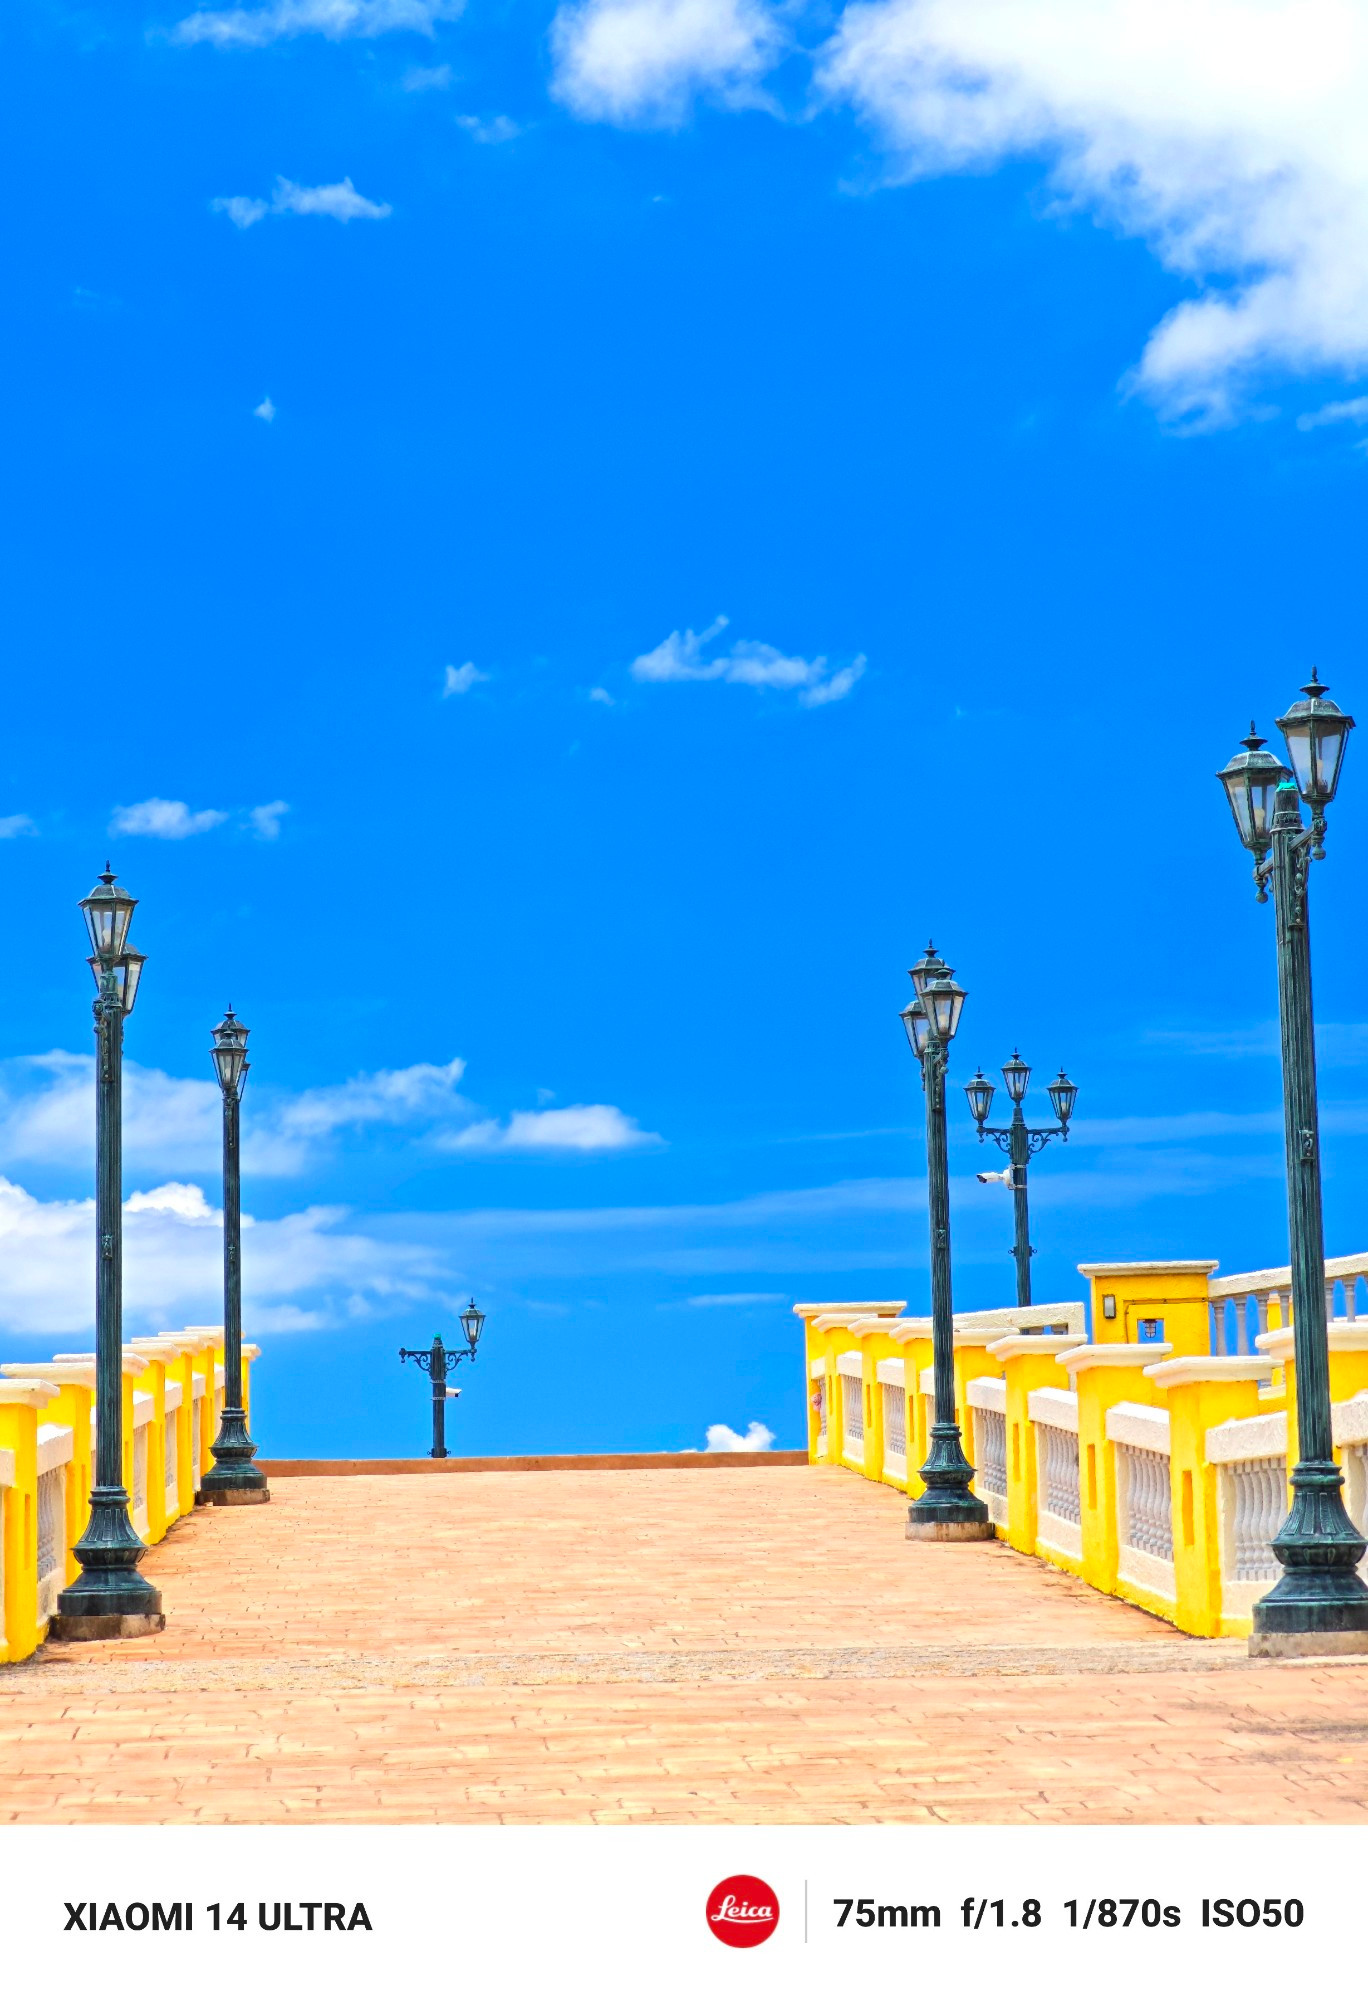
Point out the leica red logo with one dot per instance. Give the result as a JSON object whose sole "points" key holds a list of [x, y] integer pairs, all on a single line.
{"points": [[743, 1911]]}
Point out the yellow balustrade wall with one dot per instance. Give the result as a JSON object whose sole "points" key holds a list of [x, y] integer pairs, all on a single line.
{"points": [[47, 1423], [1153, 1469]]}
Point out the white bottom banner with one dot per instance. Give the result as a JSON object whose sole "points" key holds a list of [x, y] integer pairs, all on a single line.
{"points": [[663, 1910]]}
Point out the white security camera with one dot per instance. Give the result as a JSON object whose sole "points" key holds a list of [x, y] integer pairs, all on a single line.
{"points": [[451, 1393], [1004, 1179]]}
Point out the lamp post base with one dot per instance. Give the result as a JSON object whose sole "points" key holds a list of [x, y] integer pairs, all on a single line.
{"points": [[922, 1530], [1305, 1645], [233, 1480], [107, 1625]]}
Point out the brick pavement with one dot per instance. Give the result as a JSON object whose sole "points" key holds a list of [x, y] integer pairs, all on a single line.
{"points": [[651, 1646]]}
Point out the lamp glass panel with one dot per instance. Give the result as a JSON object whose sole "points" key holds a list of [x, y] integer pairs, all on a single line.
{"points": [[472, 1320], [1016, 1075], [918, 1027], [980, 1093], [108, 911], [944, 1001], [128, 972], [1062, 1095]]}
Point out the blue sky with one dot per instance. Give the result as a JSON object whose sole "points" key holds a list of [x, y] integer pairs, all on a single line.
{"points": [[552, 550]]}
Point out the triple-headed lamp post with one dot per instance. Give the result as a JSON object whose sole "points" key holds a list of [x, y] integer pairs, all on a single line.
{"points": [[1320, 1603], [1020, 1142], [232, 1480], [109, 1599], [946, 1511], [436, 1360]]}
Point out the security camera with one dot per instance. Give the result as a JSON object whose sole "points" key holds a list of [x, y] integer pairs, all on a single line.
{"points": [[451, 1393], [1004, 1179]]}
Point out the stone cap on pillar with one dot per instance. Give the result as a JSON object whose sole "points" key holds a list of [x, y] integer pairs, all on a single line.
{"points": [[881, 1308], [1197, 1267], [1116, 1354], [250, 1351], [1343, 1336], [61, 1372], [1046, 1344], [1209, 1368], [28, 1391], [133, 1364]]}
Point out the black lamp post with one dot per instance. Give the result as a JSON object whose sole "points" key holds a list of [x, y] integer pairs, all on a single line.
{"points": [[109, 1599], [1320, 1603], [947, 1511], [232, 1480], [1020, 1142], [436, 1360]]}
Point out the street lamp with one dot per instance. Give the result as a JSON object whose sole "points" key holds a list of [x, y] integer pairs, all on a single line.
{"points": [[1020, 1142], [109, 1599], [947, 1511], [232, 1480], [1320, 1603], [436, 1360]]}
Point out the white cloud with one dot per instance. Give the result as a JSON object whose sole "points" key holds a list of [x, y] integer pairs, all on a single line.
{"points": [[748, 662], [242, 210], [495, 131], [460, 680], [575, 1128], [427, 79], [1230, 134], [721, 1437], [1355, 411], [266, 410], [254, 27], [737, 1299], [16, 824], [422, 1092], [265, 820], [644, 60], [338, 199], [602, 696], [165, 819], [173, 1266]]}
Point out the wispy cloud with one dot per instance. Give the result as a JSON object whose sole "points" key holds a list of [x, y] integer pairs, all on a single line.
{"points": [[460, 680], [1339, 1044], [305, 1270], [748, 663], [721, 1437], [643, 61], [338, 199], [165, 819], [1355, 411], [437, 78], [265, 820], [575, 1128], [496, 131], [737, 1299], [266, 410], [15, 825], [172, 1124], [602, 696], [337, 20]]}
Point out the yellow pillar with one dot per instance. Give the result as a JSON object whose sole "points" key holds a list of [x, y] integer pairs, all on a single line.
{"points": [[1128, 1298], [1102, 1376], [913, 1337], [21, 1399], [1348, 1344], [1027, 1361], [74, 1382], [1200, 1393], [132, 1367]]}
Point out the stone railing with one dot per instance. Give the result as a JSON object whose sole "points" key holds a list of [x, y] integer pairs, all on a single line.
{"points": [[172, 1399], [1154, 1475]]}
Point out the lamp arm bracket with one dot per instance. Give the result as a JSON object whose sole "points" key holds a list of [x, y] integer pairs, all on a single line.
{"points": [[1001, 1133], [1041, 1135], [421, 1355]]}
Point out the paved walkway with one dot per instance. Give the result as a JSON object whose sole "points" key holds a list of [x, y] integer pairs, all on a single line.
{"points": [[745, 1646]]}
